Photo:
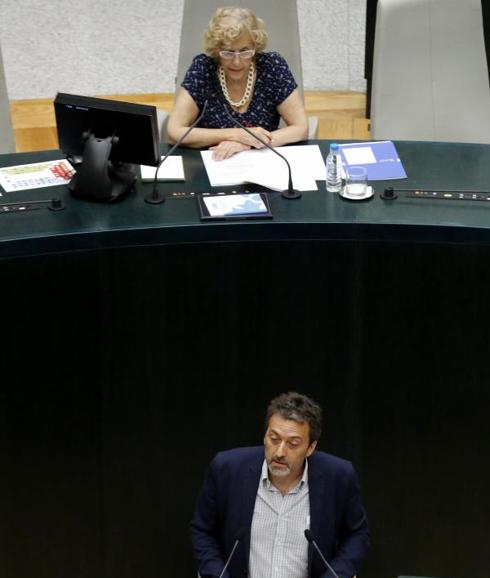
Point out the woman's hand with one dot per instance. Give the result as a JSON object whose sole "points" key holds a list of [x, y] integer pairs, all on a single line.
{"points": [[246, 138], [227, 148]]}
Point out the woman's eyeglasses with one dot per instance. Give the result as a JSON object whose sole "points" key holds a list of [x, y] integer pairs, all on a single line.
{"points": [[243, 54]]}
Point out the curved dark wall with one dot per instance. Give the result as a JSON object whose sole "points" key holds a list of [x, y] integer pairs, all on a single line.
{"points": [[124, 371]]}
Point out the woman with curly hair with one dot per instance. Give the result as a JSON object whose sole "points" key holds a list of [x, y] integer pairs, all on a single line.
{"points": [[256, 86]]}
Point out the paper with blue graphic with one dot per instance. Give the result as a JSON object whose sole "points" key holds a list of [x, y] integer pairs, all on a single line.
{"points": [[231, 205]]}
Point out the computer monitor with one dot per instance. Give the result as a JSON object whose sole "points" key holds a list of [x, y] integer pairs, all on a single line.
{"points": [[108, 137]]}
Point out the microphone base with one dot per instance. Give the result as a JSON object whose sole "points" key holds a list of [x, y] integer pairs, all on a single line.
{"points": [[155, 198], [291, 194]]}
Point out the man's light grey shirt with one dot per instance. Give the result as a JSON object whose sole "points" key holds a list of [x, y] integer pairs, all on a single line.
{"points": [[278, 547]]}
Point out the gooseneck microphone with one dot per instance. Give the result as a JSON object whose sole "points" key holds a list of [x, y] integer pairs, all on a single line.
{"points": [[290, 193], [311, 539], [156, 197], [239, 536]]}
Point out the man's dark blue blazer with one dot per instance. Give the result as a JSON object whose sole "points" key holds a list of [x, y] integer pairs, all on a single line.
{"points": [[226, 503]]}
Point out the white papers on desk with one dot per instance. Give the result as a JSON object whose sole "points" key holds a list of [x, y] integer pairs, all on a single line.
{"points": [[171, 170], [265, 168]]}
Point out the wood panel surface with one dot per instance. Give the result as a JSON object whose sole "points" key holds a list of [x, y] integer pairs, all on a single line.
{"points": [[340, 114]]}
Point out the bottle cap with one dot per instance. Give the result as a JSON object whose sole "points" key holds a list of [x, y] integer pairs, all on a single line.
{"points": [[334, 147]]}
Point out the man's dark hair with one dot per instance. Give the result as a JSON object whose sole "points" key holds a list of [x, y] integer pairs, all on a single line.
{"points": [[298, 407]]}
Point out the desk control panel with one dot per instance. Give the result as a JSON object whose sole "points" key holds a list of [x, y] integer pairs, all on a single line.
{"points": [[182, 195], [22, 207], [195, 194], [449, 195]]}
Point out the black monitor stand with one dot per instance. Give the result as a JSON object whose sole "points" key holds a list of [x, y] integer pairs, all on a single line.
{"points": [[98, 178]]}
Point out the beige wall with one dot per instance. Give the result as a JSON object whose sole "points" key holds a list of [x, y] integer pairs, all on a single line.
{"points": [[121, 47]]}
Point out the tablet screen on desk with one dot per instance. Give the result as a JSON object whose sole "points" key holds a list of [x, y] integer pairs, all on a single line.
{"points": [[234, 206]]}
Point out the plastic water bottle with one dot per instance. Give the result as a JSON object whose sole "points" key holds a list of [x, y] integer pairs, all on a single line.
{"points": [[334, 178]]}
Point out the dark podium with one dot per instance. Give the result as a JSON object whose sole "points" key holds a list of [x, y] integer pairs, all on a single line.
{"points": [[137, 342]]}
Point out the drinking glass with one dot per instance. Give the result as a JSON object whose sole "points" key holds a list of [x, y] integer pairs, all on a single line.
{"points": [[356, 182]]}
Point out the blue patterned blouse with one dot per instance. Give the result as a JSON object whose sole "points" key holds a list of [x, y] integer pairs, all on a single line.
{"points": [[274, 83]]}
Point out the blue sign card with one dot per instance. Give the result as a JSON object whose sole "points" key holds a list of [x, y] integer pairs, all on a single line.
{"points": [[379, 158]]}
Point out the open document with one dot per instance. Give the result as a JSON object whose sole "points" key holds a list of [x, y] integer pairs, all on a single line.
{"points": [[265, 168]]}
